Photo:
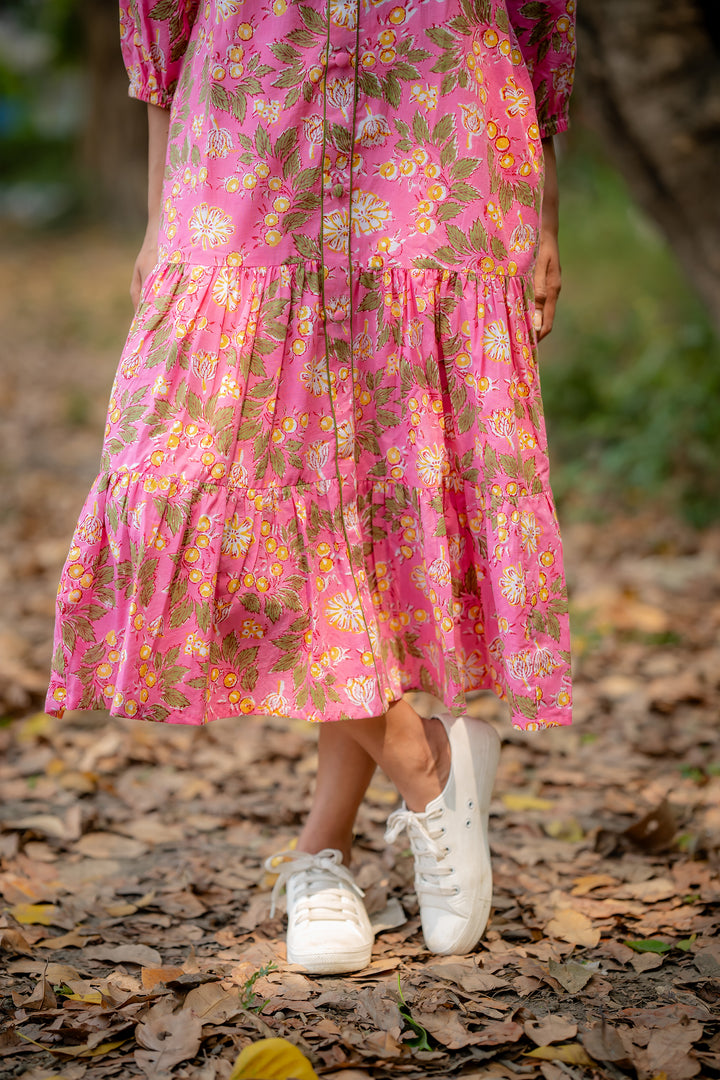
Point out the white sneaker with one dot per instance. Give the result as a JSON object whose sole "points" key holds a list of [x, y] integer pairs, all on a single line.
{"points": [[449, 840], [328, 930]]}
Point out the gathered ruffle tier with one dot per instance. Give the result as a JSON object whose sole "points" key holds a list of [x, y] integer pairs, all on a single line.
{"points": [[308, 507]]}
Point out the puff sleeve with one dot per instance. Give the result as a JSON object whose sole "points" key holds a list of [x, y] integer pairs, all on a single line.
{"points": [[545, 32], [154, 35]]}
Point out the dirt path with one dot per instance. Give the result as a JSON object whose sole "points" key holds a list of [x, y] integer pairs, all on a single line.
{"points": [[134, 900]]}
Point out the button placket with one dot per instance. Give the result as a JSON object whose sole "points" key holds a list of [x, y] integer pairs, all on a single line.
{"points": [[339, 91]]}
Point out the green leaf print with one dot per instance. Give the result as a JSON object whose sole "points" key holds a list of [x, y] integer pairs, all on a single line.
{"points": [[449, 210], [443, 129]]}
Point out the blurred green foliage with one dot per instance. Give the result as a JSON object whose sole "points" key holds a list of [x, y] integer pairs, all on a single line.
{"points": [[41, 62], [631, 372]]}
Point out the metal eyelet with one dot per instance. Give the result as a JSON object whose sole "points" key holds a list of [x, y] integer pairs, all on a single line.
{"points": [[471, 804], [468, 823]]}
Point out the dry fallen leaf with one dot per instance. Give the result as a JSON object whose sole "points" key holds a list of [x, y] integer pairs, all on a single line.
{"points": [[550, 1029], [574, 927], [107, 845], [159, 975], [212, 1004], [571, 976], [604, 1043], [571, 1054], [126, 954], [669, 1052], [655, 831], [167, 1039]]}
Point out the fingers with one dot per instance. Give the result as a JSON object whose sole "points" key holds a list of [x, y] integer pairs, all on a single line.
{"points": [[136, 284], [547, 291]]}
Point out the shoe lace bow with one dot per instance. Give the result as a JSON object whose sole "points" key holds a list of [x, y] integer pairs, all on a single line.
{"points": [[323, 872], [425, 833]]}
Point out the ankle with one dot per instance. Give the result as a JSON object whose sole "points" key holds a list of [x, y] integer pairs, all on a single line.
{"points": [[439, 745], [313, 840]]}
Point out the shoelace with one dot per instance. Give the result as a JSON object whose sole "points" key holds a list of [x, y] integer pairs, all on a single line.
{"points": [[424, 834], [324, 873]]}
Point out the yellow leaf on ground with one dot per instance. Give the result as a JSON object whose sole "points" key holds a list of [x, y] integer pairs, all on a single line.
{"points": [[272, 1059], [268, 880], [570, 1053], [567, 829], [518, 800], [94, 997], [31, 914], [32, 727]]}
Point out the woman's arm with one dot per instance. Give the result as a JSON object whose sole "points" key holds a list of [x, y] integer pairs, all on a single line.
{"points": [[547, 267], [158, 126]]}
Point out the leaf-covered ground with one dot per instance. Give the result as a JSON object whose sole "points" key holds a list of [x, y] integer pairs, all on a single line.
{"points": [[134, 914]]}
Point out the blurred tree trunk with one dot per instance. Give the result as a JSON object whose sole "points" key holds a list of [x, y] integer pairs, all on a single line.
{"points": [[115, 138], [649, 83]]}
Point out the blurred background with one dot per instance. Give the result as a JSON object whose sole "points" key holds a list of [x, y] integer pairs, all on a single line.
{"points": [[631, 373]]}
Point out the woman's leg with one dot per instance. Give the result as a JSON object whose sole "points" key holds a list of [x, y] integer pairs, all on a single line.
{"points": [[411, 751], [344, 772]]}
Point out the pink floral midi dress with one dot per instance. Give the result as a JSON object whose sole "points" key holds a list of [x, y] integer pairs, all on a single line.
{"points": [[324, 478]]}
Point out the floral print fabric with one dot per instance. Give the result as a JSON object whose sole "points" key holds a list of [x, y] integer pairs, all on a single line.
{"points": [[324, 479]]}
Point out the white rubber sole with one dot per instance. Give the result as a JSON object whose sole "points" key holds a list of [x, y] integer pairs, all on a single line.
{"points": [[338, 964]]}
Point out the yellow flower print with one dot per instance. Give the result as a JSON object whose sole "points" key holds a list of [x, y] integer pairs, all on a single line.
{"points": [[513, 586], [237, 536], [427, 95], [340, 94], [472, 669], [313, 131], [335, 231], [210, 226], [368, 213], [204, 365], [360, 691], [522, 237], [373, 130], [219, 141], [90, 529], [225, 9], [502, 424], [346, 441], [275, 704], [344, 13], [314, 377], [517, 97], [267, 110], [529, 531], [496, 342], [473, 120], [345, 613], [432, 464], [317, 455], [439, 572], [226, 290]]}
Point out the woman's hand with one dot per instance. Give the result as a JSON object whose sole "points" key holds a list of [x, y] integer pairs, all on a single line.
{"points": [[158, 127], [147, 257], [547, 267]]}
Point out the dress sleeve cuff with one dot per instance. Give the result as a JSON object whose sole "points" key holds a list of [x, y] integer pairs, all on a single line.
{"points": [[555, 125]]}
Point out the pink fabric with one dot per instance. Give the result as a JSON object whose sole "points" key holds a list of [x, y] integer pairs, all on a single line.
{"points": [[324, 478]]}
